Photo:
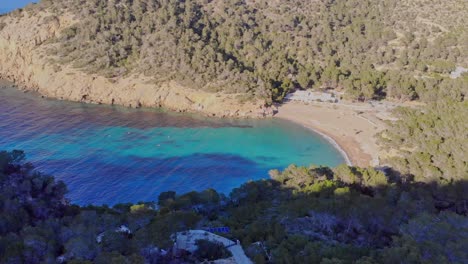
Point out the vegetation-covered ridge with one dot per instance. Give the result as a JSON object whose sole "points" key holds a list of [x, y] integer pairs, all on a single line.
{"points": [[370, 49], [416, 212], [430, 143], [302, 215]]}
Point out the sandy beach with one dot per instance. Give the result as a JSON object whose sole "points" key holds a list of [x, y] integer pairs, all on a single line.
{"points": [[352, 126]]}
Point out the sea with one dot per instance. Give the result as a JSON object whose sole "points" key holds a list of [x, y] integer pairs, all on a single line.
{"points": [[111, 154]]}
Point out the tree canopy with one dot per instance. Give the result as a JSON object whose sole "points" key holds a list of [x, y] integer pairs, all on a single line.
{"points": [[369, 49], [302, 215]]}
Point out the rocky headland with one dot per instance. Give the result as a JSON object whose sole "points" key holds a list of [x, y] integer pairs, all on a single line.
{"points": [[24, 61]]}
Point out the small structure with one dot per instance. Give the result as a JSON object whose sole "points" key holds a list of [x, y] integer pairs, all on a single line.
{"points": [[123, 229], [310, 96], [458, 72], [223, 229]]}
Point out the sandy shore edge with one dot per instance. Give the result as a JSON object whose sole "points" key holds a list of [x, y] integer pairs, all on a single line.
{"points": [[328, 138], [350, 128]]}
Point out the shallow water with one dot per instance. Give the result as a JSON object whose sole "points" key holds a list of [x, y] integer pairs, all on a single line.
{"points": [[109, 155]]}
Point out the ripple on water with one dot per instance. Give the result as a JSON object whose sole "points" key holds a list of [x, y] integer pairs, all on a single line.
{"points": [[109, 155]]}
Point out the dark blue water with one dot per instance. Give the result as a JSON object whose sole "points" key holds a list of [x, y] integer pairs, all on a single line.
{"points": [[109, 155]]}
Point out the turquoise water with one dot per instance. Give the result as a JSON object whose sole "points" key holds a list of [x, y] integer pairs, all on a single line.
{"points": [[109, 155]]}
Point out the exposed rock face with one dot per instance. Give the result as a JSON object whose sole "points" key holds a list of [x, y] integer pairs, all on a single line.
{"points": [[23, 60]]}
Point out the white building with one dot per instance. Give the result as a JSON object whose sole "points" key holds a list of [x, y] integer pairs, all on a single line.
{"points": [[309, 96], [458, 72]]}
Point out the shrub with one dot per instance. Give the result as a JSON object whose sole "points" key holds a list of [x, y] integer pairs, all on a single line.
{"points": [[208, 250]]}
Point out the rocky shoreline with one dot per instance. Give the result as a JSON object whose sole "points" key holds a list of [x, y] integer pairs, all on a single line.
{"points": [[23, 61]]}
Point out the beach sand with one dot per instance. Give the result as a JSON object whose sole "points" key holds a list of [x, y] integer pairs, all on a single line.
{"points": [[352, 126]]}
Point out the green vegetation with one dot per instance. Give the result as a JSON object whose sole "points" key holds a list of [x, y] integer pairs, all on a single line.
{"points": [[370, 49], [208, 250], [415, 212], [302, 215], [432, 141]]}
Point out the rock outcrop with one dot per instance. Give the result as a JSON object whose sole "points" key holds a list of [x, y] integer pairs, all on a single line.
{"points": [[24, 40]]}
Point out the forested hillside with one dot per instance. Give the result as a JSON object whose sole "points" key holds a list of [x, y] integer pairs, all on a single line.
{"points": [[303, 215], [398, 49], [415, 212], [431, 143]]}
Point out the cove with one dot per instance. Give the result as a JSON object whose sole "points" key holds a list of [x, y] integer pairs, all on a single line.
{"points": [[109, 155]]}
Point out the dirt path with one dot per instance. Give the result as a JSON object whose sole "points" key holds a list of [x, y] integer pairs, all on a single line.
{"points": [[187, 240]]}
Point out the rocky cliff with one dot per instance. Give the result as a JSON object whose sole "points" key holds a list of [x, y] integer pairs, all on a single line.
{"points": [[24, 39]]}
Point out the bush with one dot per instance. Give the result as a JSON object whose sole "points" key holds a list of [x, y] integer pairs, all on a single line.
{"points": [[208, 250], [335, 44]]}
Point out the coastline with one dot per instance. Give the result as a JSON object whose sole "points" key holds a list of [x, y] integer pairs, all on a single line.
{"points": [[339, 147], [351, 128], [26, 62], [333, 143], [353, 150]]}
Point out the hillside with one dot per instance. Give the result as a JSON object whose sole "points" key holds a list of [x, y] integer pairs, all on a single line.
{"points": [[236, 58], [243, 55], [302, 215]]}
